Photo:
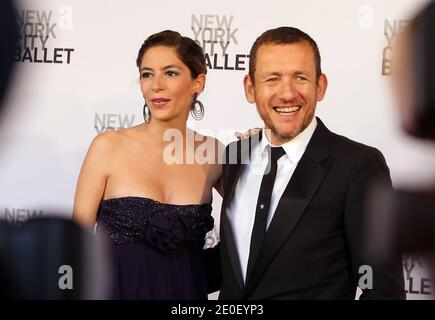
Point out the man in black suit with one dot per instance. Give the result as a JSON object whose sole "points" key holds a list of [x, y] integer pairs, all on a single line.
{"points": [[296, 231]]}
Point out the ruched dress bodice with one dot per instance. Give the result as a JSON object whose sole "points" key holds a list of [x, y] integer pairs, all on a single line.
{"points": [[156, 248]]}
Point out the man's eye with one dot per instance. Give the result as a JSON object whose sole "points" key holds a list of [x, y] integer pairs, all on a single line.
{"points": [[301, 78], [272, 79]]}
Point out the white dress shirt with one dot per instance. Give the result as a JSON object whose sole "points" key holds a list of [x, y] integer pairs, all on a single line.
{"points": [[241, 212]]}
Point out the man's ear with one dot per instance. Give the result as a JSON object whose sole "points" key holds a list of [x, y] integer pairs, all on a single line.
{"points": [[249, 89], [322, 85]]}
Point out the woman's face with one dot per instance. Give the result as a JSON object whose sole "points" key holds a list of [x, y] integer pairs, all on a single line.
{"points": [[167, 84]]}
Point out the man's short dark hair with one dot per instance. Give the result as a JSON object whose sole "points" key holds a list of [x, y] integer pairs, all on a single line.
{"points": [[283, 35]]}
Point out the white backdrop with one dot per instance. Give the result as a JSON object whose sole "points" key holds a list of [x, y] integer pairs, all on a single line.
{"points": [[76, 77]]}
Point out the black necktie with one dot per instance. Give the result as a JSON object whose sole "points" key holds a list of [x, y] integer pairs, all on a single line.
{"points": [[263, 204]]}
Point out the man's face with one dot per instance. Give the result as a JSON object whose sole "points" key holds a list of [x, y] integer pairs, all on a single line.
{"points": [[286, 89]]}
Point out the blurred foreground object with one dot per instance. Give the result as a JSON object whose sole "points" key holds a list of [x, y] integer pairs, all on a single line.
{"points": [[413, 72], [402, 222], [52, 258], [48, 258], [8, 44]]}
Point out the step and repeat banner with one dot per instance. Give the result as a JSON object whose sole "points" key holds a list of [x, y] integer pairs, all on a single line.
{"points": [[76, 77]]}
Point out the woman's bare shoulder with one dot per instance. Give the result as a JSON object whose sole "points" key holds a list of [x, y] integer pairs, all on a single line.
{"points": [[114, 139], [106, 141]]}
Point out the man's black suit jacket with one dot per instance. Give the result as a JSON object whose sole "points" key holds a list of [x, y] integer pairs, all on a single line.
{"points": [[314, 245]]}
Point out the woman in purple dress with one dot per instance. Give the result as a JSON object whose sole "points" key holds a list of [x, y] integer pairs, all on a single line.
{"points": [[149, 199]]}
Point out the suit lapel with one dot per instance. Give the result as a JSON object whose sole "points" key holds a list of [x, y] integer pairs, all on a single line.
{"points": [[237, 157], [226, 230], [306, 178], [234, 170]]}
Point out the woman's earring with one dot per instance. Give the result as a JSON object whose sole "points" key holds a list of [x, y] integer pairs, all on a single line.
{"points": [[197, 112], [146, 113]]}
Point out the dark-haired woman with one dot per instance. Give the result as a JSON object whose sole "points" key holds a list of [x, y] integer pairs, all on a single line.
{"points": [[149, 196]]}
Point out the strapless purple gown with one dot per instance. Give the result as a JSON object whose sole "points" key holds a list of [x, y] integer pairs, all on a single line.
{"points": [[156, 248]]}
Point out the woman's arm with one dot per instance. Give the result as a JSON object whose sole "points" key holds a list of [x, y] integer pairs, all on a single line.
{"points": [[92, 181]]}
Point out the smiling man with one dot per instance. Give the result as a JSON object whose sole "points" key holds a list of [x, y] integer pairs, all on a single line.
{"points": [[285, 81], [296, 231]]}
